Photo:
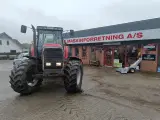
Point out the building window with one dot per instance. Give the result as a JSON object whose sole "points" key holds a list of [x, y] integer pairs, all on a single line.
{"points": [[92, 49], [7, 42], [0, 42], [84, 51], [77, 52], [70, 51], [13, 51], [93, 54]]}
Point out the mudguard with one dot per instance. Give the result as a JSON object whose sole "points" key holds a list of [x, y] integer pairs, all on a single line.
{"points": [[75, 58]]}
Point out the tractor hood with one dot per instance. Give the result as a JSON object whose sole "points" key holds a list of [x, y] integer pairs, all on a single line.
{"points": [[53, 55], [50, 45]]}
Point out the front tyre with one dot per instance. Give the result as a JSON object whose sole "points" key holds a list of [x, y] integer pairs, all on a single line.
{"points": [[73, 76], [21, 78]]}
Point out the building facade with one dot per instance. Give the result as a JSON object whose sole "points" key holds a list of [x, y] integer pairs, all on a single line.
{"points": [[119, 45], [9, 46]]}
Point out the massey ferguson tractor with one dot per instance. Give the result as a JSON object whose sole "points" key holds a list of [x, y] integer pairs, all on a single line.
{"points": [[48, 58]]}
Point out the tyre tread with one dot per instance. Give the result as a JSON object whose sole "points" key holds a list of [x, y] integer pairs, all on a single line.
{"points": [[70, 71], [19, 75]]}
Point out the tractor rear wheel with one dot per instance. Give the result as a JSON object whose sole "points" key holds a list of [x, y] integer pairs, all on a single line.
{"points": [[73, 76], [21, 78]]}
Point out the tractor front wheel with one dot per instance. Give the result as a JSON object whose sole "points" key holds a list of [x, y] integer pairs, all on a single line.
{"points": [[22, 80], [73, 76]]}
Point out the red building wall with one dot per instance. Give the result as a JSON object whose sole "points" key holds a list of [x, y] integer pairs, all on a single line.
{"points": [[87, 58], [73, 51], [100, 56], [84, 59]]}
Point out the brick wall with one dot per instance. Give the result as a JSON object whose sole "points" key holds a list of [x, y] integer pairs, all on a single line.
{"points": [[73, 51], [100, 56], [87, 57], [84, 59]]}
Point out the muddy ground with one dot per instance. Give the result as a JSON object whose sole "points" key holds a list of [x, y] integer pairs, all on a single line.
{"points": [[107, 95]]}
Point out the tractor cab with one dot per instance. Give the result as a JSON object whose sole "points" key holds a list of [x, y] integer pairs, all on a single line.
{"points": [[48, 37]]}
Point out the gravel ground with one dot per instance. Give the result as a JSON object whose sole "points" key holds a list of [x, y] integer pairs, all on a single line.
{"points": [[107, 96]]}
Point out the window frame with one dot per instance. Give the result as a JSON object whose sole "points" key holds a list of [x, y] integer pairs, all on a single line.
{"points": [[77, 51], [84, 52], [7, 42]]}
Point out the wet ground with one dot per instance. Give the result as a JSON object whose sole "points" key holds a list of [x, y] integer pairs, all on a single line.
{"points": [[107, 96]]}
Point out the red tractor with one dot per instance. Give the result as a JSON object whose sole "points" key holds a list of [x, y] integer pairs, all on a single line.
{"points": [[48, 58]]}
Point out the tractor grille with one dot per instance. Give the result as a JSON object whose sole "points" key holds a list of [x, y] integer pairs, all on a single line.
{"points": [[52, 55]]}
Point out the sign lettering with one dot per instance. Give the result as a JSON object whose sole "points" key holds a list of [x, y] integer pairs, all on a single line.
{"points": [[149, 57], [126, 36]]}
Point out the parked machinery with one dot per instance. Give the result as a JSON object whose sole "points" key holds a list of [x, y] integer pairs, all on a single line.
{"points": [[48, 58]]}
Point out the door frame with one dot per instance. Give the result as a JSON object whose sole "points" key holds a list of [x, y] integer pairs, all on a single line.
{"points": [[112, 56]]}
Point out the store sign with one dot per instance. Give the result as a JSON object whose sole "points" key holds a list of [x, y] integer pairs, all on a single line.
{"points": [[124, 36], [149, 57], [150, 47]]}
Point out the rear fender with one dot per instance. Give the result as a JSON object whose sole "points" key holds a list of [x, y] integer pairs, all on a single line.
{"points": [[74, 58], [32, 57]]}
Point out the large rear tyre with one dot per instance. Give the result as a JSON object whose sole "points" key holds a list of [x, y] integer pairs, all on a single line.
{"points": [[21, 78], [73, 76]]}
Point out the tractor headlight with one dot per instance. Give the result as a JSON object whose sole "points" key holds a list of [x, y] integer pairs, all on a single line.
{"points": [[48, 64], [58, 64]]}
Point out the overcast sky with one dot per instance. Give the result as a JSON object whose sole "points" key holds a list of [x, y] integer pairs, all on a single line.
{"points": [[72, 14]]}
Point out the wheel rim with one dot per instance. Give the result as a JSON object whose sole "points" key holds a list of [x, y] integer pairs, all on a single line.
{"points": [[78, 77], [132, 70], [33, 83]]}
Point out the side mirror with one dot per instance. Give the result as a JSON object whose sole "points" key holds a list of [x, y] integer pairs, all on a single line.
{"points": [[71, 32], [23, 29]]}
